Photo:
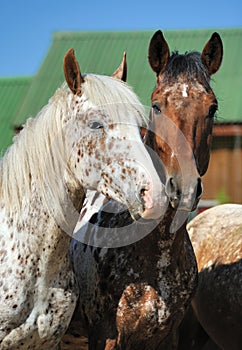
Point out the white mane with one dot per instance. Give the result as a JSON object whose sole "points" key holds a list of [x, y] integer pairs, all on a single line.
{"points": [[26, 159], [39, 155]]}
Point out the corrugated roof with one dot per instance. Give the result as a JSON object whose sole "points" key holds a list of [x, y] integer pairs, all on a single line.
{"points": [[12, 93], [101, 52]]}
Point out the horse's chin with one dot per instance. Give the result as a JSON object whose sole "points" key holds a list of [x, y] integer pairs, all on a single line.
{"points": [[139, 219], [145, 215], [135, 216]]}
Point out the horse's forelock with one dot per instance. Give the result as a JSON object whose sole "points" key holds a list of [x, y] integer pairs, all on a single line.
{"points": [[189, 64]]}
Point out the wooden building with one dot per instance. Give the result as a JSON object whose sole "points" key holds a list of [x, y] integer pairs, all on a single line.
{"points": [[223, 180]]}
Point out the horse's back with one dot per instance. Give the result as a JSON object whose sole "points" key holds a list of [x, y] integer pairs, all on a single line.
{"points": [[216, 235]]}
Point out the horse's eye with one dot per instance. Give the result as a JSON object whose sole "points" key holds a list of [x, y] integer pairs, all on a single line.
{"points": [[212, 110], [156, 108], [94, 124]]}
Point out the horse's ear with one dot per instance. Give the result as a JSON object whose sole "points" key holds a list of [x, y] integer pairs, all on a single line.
{"points": [[213, 53], [121, 71], [72, 72], [158, 53]]}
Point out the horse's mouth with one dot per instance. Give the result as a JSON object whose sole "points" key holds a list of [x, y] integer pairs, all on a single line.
{"points": [[138, 218], [135, 216], [183, 206]]}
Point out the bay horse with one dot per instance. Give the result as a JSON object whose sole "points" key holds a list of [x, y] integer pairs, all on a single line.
{"points": [[136, 280], [216, 235], [84, 138]]}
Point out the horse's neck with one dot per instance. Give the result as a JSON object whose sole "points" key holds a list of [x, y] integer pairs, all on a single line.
{"points": [[27, 178], [171, 232], [163, 242], [76, 193], [33, 231], [38, 211]]}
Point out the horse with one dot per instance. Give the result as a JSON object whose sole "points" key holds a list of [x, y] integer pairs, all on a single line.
{"points": [[216, 235], [192, 335], [84, 138], [136, 280]]}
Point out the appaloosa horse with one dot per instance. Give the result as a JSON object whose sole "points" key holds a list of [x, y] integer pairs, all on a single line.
{"points": [[85, 137], [216, 235], [134, 296]]}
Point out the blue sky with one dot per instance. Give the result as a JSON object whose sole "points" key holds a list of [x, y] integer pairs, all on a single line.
{"points": [[26, 26]]}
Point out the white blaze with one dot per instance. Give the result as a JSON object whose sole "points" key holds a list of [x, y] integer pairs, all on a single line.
{"points": [[184, 90]]}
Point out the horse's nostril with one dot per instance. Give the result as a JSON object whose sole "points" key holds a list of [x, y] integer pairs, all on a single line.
{"points": [[173, 192], [171, 185], [142, 192], [146, 197], [199, 189], [142, 195], [172, 188]]}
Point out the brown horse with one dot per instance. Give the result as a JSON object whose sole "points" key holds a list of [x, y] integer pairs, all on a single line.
{"points": [[134, 296], [216, 235]]}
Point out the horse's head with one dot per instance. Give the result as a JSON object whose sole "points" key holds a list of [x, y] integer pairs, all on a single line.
{"points": [[106, 150], [182, 115]]}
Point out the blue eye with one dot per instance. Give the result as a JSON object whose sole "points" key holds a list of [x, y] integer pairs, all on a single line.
{"points": [[94, 124], [156, 108]]}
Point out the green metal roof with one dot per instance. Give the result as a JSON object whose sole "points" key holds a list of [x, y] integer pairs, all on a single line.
{"points": [[12, 93], [101, 52]]}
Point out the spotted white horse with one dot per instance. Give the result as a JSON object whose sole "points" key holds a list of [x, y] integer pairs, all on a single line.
{"points": [[84, 138], [215, 319]]}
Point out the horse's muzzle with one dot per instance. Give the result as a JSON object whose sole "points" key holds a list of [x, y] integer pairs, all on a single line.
{"points": [[184, 197]]}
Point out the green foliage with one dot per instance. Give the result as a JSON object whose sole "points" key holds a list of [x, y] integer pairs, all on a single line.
{"points": [[222, 197]]}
